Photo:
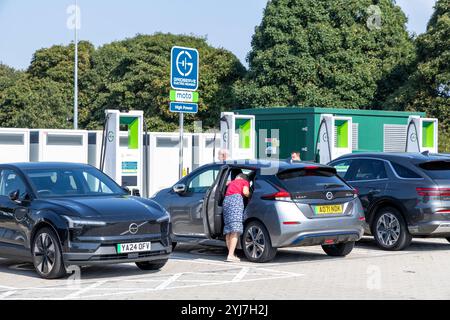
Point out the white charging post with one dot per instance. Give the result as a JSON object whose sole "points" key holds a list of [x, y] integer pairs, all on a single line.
{"points": [[335, 137], [238, 135], [422, 135], [14, 145], [122, 155], [59, 145]]}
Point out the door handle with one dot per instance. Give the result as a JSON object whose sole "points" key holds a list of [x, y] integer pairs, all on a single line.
{"points": [[374, 191]]}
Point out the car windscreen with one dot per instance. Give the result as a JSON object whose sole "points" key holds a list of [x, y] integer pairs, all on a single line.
{"points": [[437, 169], [73, 182], [310, 180]]}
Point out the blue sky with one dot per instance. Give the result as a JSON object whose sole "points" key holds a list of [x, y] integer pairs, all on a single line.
{"points": [[26, 26]]}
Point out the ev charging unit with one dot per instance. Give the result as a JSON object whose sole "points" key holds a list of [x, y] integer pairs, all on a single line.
{"points": [[238, 135], [205, 148], [335, 137], [59, 145], [422, 135], [14, 145], [163, 157], [122, 156]]}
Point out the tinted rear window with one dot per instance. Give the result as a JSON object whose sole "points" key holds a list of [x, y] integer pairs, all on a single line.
{"points": [[404, 172], [437, 169], [310, 180]]}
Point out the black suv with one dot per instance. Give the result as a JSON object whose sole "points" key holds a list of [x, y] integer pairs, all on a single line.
{"points": [[62, 214], [404, 195]]}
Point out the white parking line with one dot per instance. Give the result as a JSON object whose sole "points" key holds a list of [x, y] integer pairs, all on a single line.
{"points": [[7, 294], [166, 283], [79, 292], [241, 274]]}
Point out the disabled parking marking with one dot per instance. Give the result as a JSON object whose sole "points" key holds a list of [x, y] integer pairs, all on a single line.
{"points": [[241, 274], [166, 283], [232, 274], [77, 294]]}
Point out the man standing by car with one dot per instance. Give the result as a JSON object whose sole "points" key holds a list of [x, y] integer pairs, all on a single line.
{"points": [[295, 157], [223, 155]]}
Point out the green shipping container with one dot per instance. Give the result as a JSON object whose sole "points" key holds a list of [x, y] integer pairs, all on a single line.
{"points": [[373, 130]]}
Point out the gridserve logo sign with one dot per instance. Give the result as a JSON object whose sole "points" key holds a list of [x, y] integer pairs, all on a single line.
{"points": [[185, 68]]}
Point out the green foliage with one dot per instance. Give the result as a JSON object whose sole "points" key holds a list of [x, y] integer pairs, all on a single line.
{"points": [[428, 86], [326, 53], [8, 76], [129, 74], [135, 74], [35, 103]]}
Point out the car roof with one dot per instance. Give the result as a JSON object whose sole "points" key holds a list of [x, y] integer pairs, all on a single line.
{"points": [[411, 156], [261, 164], [45, 165]]}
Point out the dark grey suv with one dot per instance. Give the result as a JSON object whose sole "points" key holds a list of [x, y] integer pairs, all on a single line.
{"points": [[404, 195]]}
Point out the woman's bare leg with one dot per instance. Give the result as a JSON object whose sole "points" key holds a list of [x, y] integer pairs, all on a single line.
{"points": [[233, 239], [227, 240]]}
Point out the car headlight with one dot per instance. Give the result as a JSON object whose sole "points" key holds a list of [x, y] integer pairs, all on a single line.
{"points": [[78, 223]]}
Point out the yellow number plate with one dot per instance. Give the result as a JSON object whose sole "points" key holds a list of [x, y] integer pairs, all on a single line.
{"points": [[332, 209]]}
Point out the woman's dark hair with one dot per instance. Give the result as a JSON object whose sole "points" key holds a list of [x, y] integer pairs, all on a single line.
{"points": [[243, 176]]}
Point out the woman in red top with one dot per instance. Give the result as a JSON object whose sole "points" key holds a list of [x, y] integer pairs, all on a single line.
{"points": [[233, 212]]}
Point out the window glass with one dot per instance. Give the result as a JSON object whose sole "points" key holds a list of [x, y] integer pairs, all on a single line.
{"points": [[342, 167], [369, 170], [72, 182], [437, 169], [404, 172], [10, 182], [309, 180], [203, 181]]}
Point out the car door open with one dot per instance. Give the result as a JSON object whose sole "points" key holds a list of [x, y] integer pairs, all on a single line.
{"points": [[212, 209]]}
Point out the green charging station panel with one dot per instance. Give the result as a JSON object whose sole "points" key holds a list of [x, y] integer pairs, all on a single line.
{"points": [[133, 130], [298, 127]]}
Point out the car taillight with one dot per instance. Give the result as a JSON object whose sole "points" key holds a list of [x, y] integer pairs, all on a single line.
{"points": [[444, 211], [281, 195], [356, 191], [433, 192]]}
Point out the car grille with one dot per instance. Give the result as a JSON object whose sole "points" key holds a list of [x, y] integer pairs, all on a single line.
{"points": [[122, 229], [126, 256]]}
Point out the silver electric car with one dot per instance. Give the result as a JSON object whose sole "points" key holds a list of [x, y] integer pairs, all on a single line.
{"points": [[301, 204]]}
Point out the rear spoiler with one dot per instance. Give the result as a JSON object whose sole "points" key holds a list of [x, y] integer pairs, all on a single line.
{"points": [[312, 168]]}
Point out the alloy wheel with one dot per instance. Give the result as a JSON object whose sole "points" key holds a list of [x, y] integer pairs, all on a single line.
{"points": [[44, 253], [388, 229], [255, 242]]}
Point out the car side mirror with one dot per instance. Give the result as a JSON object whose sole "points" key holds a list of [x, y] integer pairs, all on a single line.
{"points": [[14, 195], [126, 189], [179, 188], [136, 193]]}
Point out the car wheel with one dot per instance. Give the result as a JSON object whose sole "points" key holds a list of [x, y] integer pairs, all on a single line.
{"points": [[151, 265], [339, 249], [256, 242], [47, 257], [390, 230]]}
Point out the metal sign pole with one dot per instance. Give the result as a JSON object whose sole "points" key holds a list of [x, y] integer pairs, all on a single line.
{"points": [[181, 145]]}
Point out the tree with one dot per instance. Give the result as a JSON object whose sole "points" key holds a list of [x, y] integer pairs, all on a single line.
{"points": [[428, 86], [135, 74], [36, 103], [330, 53], [8, 76], [129, 74]]}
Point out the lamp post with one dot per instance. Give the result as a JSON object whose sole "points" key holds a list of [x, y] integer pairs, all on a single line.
{"points": [[75, 100]]}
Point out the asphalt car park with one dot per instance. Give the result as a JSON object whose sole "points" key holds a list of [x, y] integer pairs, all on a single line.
{"points": [[198, 272]]}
